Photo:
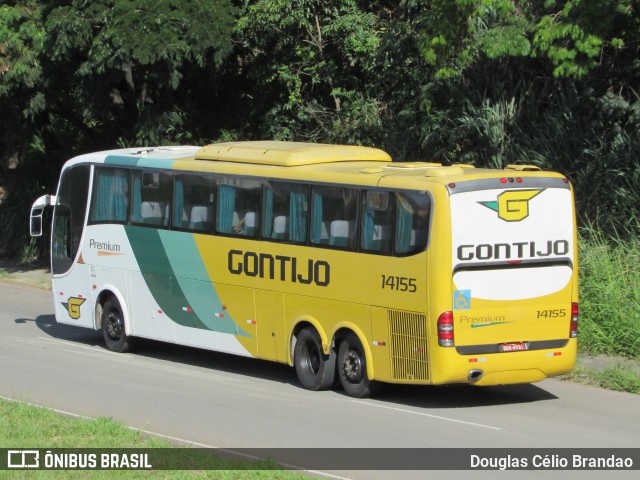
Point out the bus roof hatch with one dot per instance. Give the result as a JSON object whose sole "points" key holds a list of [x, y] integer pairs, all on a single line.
{"points": [[289, 154]]}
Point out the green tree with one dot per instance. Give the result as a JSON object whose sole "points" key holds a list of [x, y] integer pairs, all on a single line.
{"points": [[309, 62], [578, 35], [81, 75], [455, 33], [126, 61], [21, 44]]}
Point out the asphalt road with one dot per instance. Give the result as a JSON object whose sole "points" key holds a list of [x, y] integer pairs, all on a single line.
{"points": [[218, 400]]}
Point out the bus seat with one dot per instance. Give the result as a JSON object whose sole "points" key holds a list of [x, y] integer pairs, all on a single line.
{"points": [[249, 229], [339, 233], [186, 215], [166, 208], [324, 234], [418, 238], [201, 217], [151, 213], [381, 237], [280, 227]]}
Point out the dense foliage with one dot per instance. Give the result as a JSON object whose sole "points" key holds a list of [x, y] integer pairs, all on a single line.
{"points": [[487, 82]]}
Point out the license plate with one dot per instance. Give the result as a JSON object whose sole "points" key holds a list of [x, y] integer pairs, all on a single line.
{"points": [[513, 347]]}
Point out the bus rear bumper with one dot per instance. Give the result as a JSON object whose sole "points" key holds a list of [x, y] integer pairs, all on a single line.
{"points": [[506, 368], [510, 377]]}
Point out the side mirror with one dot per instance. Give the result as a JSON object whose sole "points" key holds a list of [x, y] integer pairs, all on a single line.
{"points": [[35, 225]]}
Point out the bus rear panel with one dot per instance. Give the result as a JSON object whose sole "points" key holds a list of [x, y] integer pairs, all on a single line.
{"points": [[513, 316]]}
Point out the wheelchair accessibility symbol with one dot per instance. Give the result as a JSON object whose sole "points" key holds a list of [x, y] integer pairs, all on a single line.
{"points": [[462, 300]]}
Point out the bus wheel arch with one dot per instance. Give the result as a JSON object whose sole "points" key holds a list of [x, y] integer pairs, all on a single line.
{"points": [[111, 320], [315, 369], [353, 365]]}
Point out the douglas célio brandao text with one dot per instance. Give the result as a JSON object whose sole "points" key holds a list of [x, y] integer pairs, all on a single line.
{"points": [[550, 462]]}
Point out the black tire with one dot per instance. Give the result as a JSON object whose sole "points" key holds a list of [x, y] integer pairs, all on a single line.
{"points": [[315, 370], [113, 330], [352, 369]]}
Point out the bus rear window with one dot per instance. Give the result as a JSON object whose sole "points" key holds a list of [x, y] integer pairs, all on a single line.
{"points": [[413, 212]]}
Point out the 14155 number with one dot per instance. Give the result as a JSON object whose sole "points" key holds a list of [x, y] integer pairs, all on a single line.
{"points": [[553, 313], [401, 284]]}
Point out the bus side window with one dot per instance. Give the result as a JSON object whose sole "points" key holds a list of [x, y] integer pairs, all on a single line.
{"points": [[334, 215], [151, 199], [413, 212], [284, 212], [110, 198], [377, 222], [193, 197], [238, 206]]}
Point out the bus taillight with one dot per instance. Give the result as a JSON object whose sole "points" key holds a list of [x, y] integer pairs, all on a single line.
{"points": [[445, 329], [573, 329]]}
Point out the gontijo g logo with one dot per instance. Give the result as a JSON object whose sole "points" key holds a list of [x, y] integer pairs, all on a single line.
{"points": [[73, 306], [512, 205]]}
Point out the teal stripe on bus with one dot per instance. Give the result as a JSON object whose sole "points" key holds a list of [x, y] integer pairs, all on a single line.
{"points": [[186, 296], [162, 163], [193, 278]]}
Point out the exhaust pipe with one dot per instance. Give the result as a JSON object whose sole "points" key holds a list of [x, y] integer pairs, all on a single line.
{"points": [[475, 375]]}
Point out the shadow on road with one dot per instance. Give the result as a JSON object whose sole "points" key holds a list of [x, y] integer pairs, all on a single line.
{"points": [[431, 397]]}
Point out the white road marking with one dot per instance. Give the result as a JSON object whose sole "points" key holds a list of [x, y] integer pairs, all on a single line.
{"points": [[413, 412]]}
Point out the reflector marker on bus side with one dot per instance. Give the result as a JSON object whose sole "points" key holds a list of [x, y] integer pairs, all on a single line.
{"points": [[219, 315], [475, 360], [554, 354], [379, 344], [251, 322]]}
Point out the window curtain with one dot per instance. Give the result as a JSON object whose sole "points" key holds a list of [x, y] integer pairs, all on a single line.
{"points": [[298, 215], [404, 224], [316, 220], [226, 207], [178, 202], [136, 214], [267, 222], [368, 227], [111, 199], [122, 196]]}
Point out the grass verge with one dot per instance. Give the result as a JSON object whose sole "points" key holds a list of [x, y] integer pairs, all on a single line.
{"points": [[616, 377], [25, 426], [609, 295]]}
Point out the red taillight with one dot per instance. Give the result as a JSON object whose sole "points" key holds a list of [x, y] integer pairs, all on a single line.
{"points": [[445, 329], [573, 329]]}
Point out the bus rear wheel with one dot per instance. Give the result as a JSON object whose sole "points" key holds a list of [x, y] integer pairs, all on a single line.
{"points": [[113, 329], [315, 370], [352, 368]]}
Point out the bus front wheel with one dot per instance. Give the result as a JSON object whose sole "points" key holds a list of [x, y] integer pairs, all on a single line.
{"points": [[113, 330], [352, 368], [315, 370]]}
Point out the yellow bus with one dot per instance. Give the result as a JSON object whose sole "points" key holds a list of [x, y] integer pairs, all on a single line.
{"points": [[351, 268]]}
